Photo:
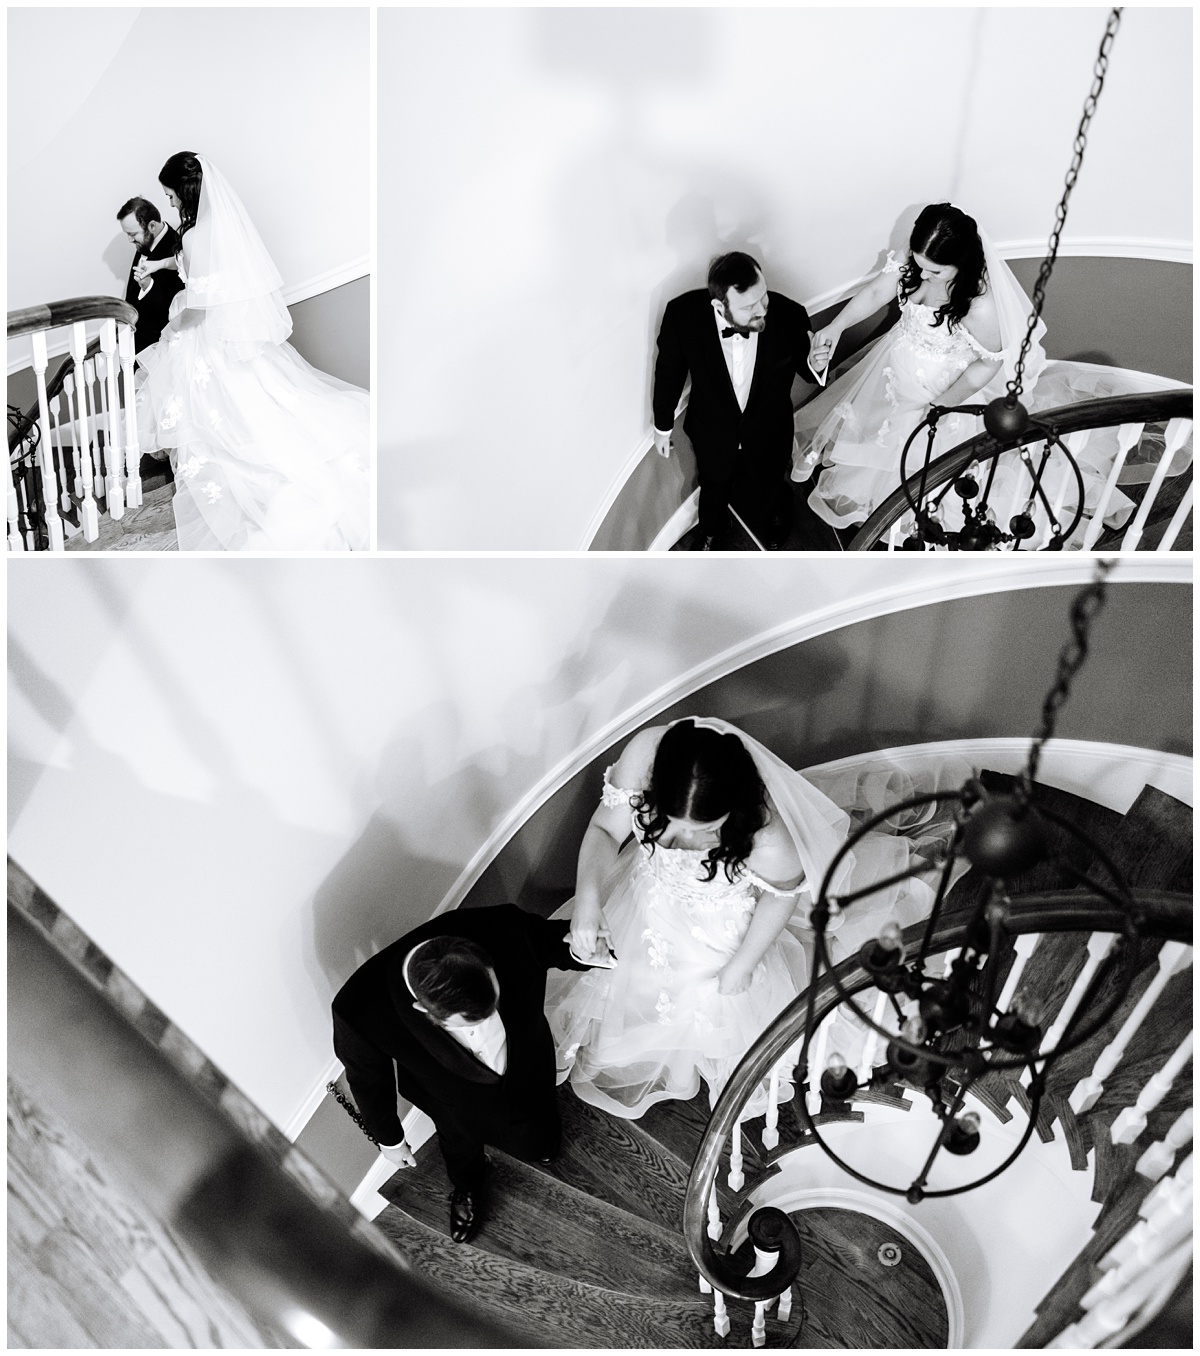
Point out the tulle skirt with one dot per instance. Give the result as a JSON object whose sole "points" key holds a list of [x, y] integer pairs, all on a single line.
{"points": [[656, 1027], [268, 452], [851, 437]]}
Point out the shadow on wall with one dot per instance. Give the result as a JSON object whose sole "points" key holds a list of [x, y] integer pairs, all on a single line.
{"points": [[411, 852]]}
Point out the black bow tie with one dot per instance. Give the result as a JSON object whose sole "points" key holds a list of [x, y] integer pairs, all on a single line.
{"points": [[731, 330]]}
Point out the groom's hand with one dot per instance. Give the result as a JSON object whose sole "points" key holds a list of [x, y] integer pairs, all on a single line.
{"points": [[399, 1154], [662, 443]]}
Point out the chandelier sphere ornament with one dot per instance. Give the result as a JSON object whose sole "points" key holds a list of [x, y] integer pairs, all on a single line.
{"points": [[947, 1031]]}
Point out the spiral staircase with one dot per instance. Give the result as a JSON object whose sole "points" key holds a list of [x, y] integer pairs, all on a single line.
{"points": [[588, 1252]]}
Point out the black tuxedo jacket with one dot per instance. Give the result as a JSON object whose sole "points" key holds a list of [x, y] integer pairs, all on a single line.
{"points": [[375, 1023], [154, 308], [688, 341]]}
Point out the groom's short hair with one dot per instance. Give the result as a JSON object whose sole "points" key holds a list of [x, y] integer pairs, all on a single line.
{"points": [[145, 211], [736, 270], [452, 975]]}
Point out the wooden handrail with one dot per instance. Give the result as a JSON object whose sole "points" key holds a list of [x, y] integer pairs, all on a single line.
{"points": [[1144, 408], [54, 314], [1159, 913]]}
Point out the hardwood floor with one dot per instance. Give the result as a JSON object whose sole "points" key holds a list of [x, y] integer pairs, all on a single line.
{"points": [[88, 1266], [852, 1299]]}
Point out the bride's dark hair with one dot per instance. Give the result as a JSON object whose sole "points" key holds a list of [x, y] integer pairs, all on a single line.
{"points": [[701, 774], [944, 235], [183, 176]]}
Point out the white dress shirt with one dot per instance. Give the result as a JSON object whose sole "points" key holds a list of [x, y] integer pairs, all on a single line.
{"points": [[739, 356], [486, 1040]]}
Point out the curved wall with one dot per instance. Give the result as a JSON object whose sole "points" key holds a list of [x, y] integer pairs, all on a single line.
{"points": [[1134, 313], [241, 783], [577, 167], [968, 668]]}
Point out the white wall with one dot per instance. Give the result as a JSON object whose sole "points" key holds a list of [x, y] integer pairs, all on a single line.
{"points": [[278, 99], [241, 778], [549, 178]]}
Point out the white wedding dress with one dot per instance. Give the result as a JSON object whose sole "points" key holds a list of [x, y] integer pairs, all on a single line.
{"points": [[656, 1025], [269, 453], [851, 435]]}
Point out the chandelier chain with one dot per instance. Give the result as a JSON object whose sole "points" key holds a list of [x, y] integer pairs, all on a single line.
{"points": [[1100, 70], [1083, 612]]}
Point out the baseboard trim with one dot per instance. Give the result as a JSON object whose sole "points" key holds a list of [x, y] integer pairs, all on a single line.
{"points": [[307, 1108], [302, 291], [989, 576], [327, 281], [365, 1198], [685, 517]]}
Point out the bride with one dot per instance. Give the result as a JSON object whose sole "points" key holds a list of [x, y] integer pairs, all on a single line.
{"points": [[705, 911], [269, 454], [963, 316]]}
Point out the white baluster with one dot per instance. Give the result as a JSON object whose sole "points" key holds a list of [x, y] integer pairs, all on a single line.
{"points": [[785, 1305], [56, 408], [816, 1065], [1023, 948], [15, 540], [1176, 435], [1098, 946], [1132, 1121], [714, 1215], [763, 1263], [893, 535], [1127, 436], [770, 1134], [54, 527], [1178, 518], [737, 1178], [1151, 1288], [867, 1062], [89, 395], [1173, 957], [758, 1329], [112, 442], [76, 387], [948, 961], [1166, 1189], [1159, 1230], [720, 1317], [133, 455], [1161, 1154]]}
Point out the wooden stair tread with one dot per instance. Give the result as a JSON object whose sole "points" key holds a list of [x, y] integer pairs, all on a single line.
{"points": [[616, 1161], [535, 1219], [547, 1308]]}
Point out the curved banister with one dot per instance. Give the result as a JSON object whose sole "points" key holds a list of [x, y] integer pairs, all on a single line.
{"points": [[1158, 913], [54, 314], [1143, 408]]}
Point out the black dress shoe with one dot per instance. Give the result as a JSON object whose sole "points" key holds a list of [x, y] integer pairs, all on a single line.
{"points": [[466, 1215]]}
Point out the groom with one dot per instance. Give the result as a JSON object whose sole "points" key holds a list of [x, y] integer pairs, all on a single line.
{"points": [[453, 1016], [742, 346], [153, 240]]}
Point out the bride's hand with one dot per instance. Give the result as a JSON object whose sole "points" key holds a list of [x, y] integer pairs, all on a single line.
{"points": [[732, 981], [821, 345], [585, 928]]}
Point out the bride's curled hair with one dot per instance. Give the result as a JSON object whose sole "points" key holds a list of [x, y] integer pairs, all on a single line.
{"points": [[701, 774], [945, 235], [183, 175]]}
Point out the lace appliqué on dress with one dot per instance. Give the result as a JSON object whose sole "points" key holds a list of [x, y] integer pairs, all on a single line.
{"points": [[614, 796]]}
